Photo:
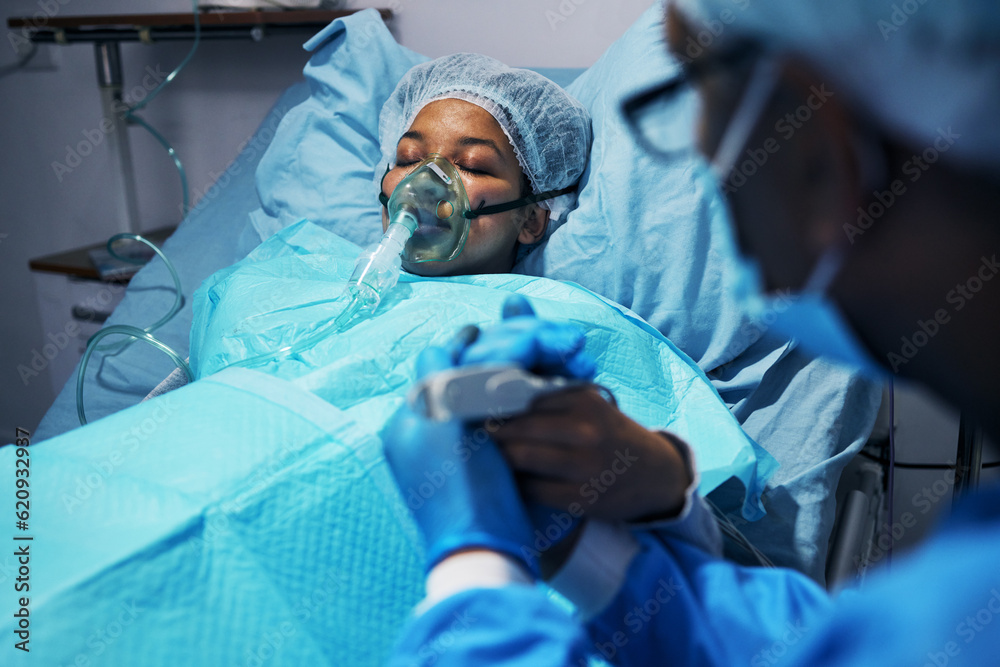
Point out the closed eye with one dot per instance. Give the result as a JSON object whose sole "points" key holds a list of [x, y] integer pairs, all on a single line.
{"points": [[470, 170]]}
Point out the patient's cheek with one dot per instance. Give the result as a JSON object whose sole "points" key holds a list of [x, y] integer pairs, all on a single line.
{"points": [[489, 194]]}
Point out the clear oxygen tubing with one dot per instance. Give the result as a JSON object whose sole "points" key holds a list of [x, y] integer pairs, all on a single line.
{"points": [[178, 294], [131, 116], [377, 268], [134, 332], [138, 334], [376, 271], [130, 331], [433, 193]]}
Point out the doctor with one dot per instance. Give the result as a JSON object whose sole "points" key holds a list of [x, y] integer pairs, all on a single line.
{"points": [[857, 145]]}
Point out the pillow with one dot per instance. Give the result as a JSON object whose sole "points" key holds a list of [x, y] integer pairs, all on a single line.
{"points": [[320, 164], [648, 234]]}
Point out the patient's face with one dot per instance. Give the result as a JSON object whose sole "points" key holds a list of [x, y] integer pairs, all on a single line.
{"points": [[471, 139]]}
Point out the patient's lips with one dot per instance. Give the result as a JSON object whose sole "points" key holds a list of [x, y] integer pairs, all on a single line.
{"points": [[433, 230]]}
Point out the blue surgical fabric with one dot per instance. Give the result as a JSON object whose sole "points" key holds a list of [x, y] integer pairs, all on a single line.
{"points": [[250, 516], [293, 284], [681, 606]]}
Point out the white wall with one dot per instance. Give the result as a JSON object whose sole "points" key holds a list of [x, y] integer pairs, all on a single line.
{"points": [[539, 33], [211, 108]]}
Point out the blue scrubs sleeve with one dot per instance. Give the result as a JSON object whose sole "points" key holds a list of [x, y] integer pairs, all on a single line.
{"points": [[681, 602], [938, 607], [681, 606], [513, 626]]}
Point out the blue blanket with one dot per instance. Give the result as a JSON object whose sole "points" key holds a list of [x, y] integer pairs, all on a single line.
{"points": [[249, 518], [293, 284]]}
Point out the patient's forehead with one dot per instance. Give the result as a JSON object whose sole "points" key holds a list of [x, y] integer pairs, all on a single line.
{"points": [[453, 119]]}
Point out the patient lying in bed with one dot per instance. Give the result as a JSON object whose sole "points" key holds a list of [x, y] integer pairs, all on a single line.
{"points": [[519, 143], [469, 108], [256, 502], [261, 503], [471, 139], [517, 140]]}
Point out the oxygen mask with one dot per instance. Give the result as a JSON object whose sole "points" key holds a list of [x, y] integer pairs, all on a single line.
{"points": [[432, 202]]}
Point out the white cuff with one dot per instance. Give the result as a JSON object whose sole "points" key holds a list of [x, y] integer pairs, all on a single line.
{"points": [[468, 570], [595, 571]]}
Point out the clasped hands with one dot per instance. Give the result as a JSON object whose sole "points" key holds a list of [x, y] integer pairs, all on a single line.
{"points": [[521, 485]]}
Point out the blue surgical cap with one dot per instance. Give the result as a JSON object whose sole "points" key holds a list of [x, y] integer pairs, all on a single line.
{"points": [[927, 71], [549, 130]]}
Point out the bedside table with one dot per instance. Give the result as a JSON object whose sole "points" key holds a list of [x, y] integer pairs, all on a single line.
{"points": [[73, 303]]}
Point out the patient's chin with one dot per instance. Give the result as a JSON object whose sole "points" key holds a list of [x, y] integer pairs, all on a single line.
{"points": [[430, 269]]}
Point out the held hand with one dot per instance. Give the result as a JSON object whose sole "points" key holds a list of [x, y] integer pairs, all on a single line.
{"points": [[574, 447], [541, 346], [577, 452], [456, 482]]}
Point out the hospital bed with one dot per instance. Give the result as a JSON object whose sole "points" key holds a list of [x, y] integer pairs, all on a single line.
{"points": [[650, 236]]}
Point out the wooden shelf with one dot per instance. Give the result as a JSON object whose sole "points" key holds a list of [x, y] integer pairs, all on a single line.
{"points": [[77, 262], [214, 23], [207, 18]]}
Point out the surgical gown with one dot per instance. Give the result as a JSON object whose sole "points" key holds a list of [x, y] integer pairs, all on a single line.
{"points": [[939, 606]]}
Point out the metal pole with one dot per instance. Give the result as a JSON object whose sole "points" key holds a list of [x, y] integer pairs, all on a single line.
{"points": [[969, 459], [114, 124]]}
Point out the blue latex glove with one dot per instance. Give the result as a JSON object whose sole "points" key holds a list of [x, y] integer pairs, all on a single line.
{"points": [[543, 347], [455, 481], [546, 348]]}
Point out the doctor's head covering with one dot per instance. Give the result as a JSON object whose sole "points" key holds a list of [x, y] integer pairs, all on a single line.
{"points": [[549, 130], [926, 71]]}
